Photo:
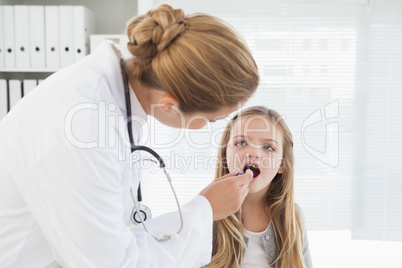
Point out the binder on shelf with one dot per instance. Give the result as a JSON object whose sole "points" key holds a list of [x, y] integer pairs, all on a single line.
{"points": [[21, 35], [83, 27], [66, 36], [2, 51], [119, 39], [3, 98], [14, 91], [37, 36], [28, 85], [52, 37], [8, 31]]}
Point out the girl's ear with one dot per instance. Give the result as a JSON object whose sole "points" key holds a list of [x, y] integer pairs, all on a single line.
{"points": [[281, 169]]}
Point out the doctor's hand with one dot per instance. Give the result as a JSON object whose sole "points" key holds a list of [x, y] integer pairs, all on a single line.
{"points": [[227, 193]]}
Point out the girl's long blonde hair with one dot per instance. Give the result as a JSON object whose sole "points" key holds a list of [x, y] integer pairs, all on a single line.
{"points": [[198, 59], [228, 242]]}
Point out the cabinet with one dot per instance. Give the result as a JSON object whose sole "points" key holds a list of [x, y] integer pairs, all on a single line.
{"points": [[110, 17]]}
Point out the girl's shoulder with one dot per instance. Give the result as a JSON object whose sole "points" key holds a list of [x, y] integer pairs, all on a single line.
{"points": [[299, 211], [300, 214]]}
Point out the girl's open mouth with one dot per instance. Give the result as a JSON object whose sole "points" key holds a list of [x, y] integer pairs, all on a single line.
{"points": [[253, 168]]}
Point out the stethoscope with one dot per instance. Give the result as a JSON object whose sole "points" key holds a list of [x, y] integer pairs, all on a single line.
{"points": [[140, 212]]}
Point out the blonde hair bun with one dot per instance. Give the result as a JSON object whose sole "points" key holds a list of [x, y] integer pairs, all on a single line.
{"points": [[198, 59], [153, 32]]}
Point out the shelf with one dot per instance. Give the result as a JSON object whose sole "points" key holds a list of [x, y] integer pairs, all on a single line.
{"points": [[120, 11], [22, 74], [28, 70]]}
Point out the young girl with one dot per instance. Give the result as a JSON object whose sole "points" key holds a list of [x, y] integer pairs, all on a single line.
{"points": [[268, 230]]}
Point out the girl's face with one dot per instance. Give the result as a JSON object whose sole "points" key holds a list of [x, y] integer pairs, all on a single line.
{"points": [[255, 143]]}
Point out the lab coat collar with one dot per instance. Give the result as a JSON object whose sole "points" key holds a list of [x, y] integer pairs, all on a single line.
{"points": [[108, 56], [136, 108]]}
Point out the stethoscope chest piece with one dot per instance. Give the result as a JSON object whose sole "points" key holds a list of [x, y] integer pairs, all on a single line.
{"points": [[142, 214]]}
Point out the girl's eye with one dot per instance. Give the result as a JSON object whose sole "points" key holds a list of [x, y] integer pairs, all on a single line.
{"points": [[240, 143], [269, 147]]}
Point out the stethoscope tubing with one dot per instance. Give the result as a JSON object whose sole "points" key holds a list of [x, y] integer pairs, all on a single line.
{"points": [[159, 237]]}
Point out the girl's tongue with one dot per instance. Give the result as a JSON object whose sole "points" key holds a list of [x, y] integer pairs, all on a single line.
{"points": [[253, 168]]}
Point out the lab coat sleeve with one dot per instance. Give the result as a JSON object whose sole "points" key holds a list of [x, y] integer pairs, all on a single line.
{"points": [[193, 247], [76, 197]]}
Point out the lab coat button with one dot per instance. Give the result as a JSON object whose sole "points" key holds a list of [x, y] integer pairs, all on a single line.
{"points": [[267, 237]]}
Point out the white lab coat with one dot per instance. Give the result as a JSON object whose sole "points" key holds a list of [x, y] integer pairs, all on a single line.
{"points": [[65, 178]]}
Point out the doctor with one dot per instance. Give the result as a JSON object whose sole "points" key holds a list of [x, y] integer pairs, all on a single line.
{"points": [[65, 174]]}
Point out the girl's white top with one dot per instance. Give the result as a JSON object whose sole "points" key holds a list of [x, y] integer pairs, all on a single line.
{"points": [[255, 255]]}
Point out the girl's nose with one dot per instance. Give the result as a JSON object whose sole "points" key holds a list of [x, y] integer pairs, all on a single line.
{"points": [[253, 153]]}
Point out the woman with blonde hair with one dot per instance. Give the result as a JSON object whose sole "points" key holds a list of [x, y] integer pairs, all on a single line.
{"points": [[268, 230], [67, 186]]}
